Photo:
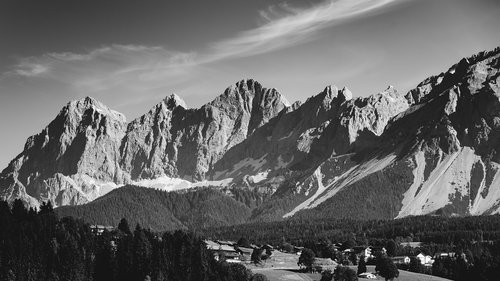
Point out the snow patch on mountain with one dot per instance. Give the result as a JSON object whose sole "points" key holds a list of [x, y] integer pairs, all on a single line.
{"points": [[247, 166], [166, 183], [259, 177]]}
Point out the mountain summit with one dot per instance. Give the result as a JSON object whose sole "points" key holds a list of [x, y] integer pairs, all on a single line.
{"points": [[433, 150]]}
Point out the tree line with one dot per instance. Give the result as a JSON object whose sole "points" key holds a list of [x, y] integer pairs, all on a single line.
{"points": [[37, 245]]}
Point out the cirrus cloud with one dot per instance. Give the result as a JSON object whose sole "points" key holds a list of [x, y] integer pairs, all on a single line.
{"points": [[286, 26], [139, 69]]}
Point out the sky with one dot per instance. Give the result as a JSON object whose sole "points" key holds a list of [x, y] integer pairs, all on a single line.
{"points": [[132, 54]]}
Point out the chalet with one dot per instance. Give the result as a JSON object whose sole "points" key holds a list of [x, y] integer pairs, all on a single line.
{"points": [[229, 243], [298, 250], [411, 244], [445, 255], [223, 251], [362, 251], [99, 229], [228, 253], [401, 260], [425, 259], [245, 253]]}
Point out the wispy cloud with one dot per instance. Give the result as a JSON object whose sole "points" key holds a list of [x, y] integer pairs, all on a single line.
{"points": [[139, 69], [136, 67], [113, 60], [286, 26], [29, 69]]}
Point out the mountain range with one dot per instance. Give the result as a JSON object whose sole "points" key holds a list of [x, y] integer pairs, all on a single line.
{"points": [[433, 150]]}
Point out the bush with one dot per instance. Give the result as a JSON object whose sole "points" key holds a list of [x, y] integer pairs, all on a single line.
{"points": [[386, 268], [343, 273], [306, 259]]}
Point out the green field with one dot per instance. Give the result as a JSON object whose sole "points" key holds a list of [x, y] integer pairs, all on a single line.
{"points": [[285, 275], [279, 273]]}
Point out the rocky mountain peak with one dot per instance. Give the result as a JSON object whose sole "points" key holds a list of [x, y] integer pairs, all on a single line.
{"points": [[472, 71], [81, 106], [345, 94], [172, 101], [332, 96]]}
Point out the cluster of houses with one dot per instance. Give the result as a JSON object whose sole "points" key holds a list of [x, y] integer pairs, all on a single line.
{"points": [[99, 229], [230, 251]]}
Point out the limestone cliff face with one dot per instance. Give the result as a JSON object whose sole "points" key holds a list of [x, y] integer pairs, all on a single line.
{"points": [[83, 139], [330, 123], [171, 140], [89, 149], [439, 156]]}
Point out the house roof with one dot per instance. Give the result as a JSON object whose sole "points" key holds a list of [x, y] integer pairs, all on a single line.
{"points": [[226, 242], [400, 257], [226, 248], [245, 250], [411, 244]]}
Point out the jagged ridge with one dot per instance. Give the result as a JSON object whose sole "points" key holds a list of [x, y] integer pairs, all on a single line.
{"points": [[433, 150]]}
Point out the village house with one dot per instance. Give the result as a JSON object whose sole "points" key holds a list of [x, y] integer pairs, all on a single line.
{"points": [[245, 253], [298, 250], [401, 260], [223, 251], [229, 243], [425, 259], [411, 244], [445, 255], [362, 251], [99, 229], [228, 253]]}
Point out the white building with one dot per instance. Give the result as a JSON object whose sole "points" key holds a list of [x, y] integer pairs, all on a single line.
{"points": [[425, 259]]}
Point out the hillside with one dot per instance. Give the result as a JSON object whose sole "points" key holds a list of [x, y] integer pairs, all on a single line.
{"points": [[160, 210]]}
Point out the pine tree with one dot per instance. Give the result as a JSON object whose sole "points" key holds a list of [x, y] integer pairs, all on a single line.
{"points": [[362, 265], [124, 227]]}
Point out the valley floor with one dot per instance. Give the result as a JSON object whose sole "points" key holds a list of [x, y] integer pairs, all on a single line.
{"points": [[286, 274], [279, 271]]}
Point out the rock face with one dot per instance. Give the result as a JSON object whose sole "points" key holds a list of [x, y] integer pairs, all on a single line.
{"points": [[89, 149], [432, 150], [439, 156], [173, 141], [82, 142]]}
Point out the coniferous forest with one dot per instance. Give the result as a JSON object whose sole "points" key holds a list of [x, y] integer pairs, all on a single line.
{"points": [[37, 245]]}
